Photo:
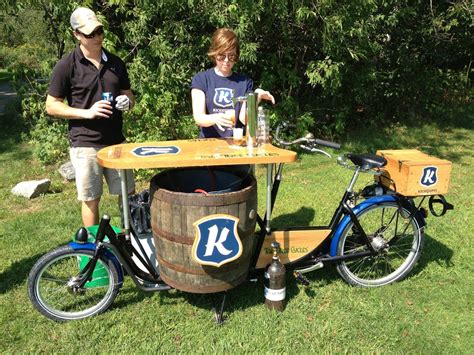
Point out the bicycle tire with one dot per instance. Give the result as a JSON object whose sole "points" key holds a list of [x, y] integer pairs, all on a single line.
{"points": [[397, 255], [50, 285]]}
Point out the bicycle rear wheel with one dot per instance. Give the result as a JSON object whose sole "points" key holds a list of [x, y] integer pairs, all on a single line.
{"points": [[53, 289], [396, 236]]}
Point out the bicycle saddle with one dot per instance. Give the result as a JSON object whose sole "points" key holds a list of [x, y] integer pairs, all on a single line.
{"points": [[367, 161]]}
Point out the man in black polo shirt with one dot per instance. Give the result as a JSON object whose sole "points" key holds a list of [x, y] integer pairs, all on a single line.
{"points": [[81, 77]]}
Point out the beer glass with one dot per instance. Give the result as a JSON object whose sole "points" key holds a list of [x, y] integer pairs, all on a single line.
{"points": [[230, 114], [238, 136]]}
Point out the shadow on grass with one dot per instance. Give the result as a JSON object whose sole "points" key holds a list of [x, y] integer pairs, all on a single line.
{"points": [[303, 217], [17, 273], [10, 134], [11, 124], [241, 297], [246, 295], [435, 146], [434, 251], [426, 134], [457, 116], [15, 153], [249, 294]]}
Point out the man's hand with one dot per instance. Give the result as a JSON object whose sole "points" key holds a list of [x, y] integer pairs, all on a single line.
{"points": [[122, 103], [101, 109]]}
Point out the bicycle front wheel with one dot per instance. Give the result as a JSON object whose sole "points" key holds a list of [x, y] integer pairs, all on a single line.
{"points": [[394, 234], [53, 285]]}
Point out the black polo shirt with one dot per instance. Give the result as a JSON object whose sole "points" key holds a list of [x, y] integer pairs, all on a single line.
{"points": [[82, 84]]}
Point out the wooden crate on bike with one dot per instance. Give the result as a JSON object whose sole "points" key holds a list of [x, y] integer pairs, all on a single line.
{"points": [[410, 172]]}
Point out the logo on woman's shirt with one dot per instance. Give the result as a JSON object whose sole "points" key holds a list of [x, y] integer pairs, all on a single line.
{"points": [[223, 97]]}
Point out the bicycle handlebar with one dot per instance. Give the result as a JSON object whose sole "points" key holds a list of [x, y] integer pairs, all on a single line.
{"points": [[328, 144], [307, 143]]}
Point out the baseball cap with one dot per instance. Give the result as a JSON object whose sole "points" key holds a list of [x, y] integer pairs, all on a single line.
{"points": [[84, 20]]}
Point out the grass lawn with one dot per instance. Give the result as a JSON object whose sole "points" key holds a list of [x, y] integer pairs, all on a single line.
{"points": [[429, 312]]}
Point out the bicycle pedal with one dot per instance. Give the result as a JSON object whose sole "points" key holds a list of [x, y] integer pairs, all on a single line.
{"points": [[301, 279]]}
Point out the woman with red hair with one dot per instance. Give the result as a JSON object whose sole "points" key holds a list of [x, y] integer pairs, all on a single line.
{"points": [[212, 90]]}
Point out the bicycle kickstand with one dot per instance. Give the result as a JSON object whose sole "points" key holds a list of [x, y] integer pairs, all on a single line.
{"points": [[218, 315]]}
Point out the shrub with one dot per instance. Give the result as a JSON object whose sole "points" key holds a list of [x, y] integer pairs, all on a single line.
{"points": [[330, 65]]}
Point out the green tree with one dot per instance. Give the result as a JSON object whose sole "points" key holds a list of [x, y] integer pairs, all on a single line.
{"points": [[331, 64]]}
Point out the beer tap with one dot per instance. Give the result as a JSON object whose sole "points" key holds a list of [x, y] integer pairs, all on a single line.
{"points": [[251, 125]]}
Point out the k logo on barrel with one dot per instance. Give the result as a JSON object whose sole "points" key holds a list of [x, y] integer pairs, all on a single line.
{"points": [[217, 241], [429, 176]]}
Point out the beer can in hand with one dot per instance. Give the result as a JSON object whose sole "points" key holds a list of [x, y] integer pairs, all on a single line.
{"points": [[107, 96]]}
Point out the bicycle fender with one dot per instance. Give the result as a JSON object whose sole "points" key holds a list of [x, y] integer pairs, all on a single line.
{"points": [[108, 254], [357, 209]]}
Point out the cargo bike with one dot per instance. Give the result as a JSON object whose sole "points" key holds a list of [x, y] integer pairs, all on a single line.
{"points": [[374, 237]]}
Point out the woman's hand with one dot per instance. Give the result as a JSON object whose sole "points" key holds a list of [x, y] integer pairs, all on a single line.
{"points": [[224, 120], [264, 95]]}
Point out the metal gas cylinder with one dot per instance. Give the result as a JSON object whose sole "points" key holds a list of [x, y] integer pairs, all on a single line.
{"points": [[275, 282]]}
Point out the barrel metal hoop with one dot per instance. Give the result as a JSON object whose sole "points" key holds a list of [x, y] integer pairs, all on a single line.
{"points": [[203, 288], [181, 239], [209, 270]]}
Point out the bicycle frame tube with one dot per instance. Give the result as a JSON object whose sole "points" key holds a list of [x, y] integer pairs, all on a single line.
{"points": [[342, 216], [338, 213], [269, 198], [342, 204], [352, 216], [107, 254], [272, 191], [126, 260], [120, 254], [125, 210], [134, 272]]}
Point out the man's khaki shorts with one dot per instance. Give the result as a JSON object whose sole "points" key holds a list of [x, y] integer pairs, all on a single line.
{"points": [[89, 175]]}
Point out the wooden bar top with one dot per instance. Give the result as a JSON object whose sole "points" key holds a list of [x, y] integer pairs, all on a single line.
{"points": [[191, 152]]}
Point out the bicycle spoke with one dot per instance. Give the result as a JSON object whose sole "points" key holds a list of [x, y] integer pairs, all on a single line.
{"points": [[62, 281], [53, 284], [396, 240], [63, 298]]}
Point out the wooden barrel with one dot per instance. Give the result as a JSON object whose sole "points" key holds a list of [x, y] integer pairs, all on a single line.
{"points": [[174, 212]]}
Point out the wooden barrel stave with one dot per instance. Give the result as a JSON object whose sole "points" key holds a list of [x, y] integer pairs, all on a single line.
{"points": [[173, 215]]}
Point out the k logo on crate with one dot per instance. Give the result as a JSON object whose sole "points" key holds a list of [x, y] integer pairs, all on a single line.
{"points": [[217, 241], [429, 176], [148, 151], [223, 97]]}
